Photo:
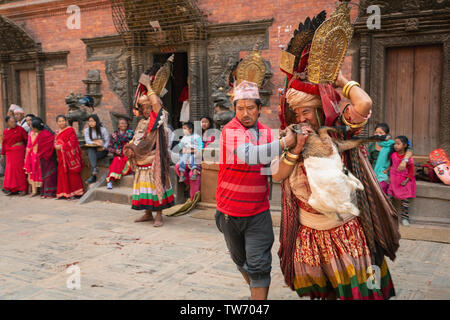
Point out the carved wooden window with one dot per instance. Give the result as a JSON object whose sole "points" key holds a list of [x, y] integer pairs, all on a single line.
{"points": [[158, 23]]}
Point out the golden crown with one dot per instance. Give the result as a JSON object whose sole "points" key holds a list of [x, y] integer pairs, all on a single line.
{"points": [[162, 76], [252, 68], [329, 46]]}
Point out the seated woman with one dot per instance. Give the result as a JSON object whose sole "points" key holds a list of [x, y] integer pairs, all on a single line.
{"points": [[96, 134], [40, 160], [207, 123], [119, 166], [13, 148], [70, 162]]}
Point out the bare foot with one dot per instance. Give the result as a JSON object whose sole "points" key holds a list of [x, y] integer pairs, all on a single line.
{"points": [[158, 220], [145, 217]]}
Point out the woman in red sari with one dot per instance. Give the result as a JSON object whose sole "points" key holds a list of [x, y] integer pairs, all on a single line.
{"points": [[40, 160], [70, 163], [13, 147]]}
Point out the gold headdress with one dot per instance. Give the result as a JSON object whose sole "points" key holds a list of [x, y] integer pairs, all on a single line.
{"points": [[329, 46], [162, 76], [302, 37], [252, 69], [158, 83]]}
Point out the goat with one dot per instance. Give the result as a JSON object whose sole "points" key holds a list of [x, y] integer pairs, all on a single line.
{"points": [[333, 187]]}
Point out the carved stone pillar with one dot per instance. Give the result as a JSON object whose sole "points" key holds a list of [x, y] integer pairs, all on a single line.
{"points": [[364, 60], [198, 85], [4, 83], [40, 85], [444, 128]]}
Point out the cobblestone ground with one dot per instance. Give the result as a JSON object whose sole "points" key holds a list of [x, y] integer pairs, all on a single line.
{"points": [[186, 259]]}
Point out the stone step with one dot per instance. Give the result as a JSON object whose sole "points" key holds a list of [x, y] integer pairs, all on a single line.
{"points": [[123, 189], [118, 194], [126, 181]]}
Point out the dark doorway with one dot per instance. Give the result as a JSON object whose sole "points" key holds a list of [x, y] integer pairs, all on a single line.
{"points": [[175, 85]]}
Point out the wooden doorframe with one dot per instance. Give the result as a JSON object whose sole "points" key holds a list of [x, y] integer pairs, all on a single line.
{"points": [[406, 23], [197, 69], [378, 77], [15, 79]]}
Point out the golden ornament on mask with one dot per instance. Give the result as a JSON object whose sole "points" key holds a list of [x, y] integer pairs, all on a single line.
{"points": [[329, 46]]}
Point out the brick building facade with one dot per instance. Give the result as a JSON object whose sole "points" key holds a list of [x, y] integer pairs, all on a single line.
{"points": [[404, 63], [43, 60], [233, 29]]}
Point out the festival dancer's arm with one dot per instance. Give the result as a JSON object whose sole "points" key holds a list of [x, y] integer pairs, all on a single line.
{"points": [[152, 96], [264, 153], [283, 169], [361, 104]]}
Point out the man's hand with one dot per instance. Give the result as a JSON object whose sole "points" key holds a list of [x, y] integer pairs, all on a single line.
{"points": [[58, 147], [341, 81], [301, 140], [144, 79], [290, 138]]}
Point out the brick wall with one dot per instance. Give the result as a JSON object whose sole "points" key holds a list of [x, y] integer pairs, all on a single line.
{"points": [[54, 35], [52, 32]]}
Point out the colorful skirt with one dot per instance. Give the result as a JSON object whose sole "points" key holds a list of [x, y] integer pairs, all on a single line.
{"points": [[144, 192], [338, 260], [118, 168]]}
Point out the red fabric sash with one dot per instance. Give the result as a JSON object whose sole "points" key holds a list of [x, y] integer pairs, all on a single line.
{"points": [[13, 136], [70, 154]]}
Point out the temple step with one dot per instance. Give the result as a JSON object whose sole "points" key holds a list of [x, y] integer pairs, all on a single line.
{"points": [[123, 189]]}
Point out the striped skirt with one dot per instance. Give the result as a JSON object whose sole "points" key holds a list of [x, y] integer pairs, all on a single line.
{"points": [[144, 192], [338, 260]]}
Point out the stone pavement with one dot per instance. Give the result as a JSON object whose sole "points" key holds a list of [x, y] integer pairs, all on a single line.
{"points": [[185, 259]]}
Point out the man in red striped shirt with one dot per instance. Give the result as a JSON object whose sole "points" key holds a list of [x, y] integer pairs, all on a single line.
{"points": [[243, 215]]}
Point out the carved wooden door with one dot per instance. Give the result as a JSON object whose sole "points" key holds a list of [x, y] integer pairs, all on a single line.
{"points": [[413, 94], [28, 91]]}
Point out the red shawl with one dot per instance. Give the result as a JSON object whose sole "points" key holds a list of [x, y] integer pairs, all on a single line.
{"points": [[45, 142], [13, 136], [70, 154]]}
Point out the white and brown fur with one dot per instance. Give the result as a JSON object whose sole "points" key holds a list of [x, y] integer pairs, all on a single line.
{"points": [[333, 187]]}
